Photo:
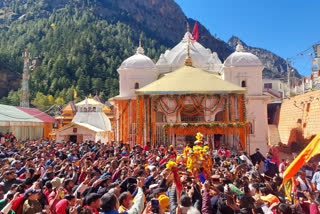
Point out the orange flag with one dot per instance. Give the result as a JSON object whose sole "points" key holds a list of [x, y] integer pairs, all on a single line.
{"points": [[75, 94], [310, 150]]}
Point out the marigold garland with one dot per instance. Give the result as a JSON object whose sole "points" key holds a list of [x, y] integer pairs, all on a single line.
{"points": [[232, 114], [137, 123], [242, 107], [211, 107], [206, 128], [140, 125], [153, 121], [235, 128], [149, 127], [133, 120], [125, 122], [120, 120], [243, 137], [226, 110]]}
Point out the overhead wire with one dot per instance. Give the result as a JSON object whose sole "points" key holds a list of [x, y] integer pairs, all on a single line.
{"points": [[303, 54]]}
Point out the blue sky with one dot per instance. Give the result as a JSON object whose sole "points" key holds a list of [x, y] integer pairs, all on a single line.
{"points": [[285, 27]]}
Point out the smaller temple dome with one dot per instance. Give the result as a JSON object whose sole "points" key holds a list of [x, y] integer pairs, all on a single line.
{"points": [[242, 59], [139, 61]]}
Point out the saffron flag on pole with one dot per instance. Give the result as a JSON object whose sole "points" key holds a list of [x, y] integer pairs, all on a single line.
{"points": [[195, 32], [75, 94], [309, 151]]}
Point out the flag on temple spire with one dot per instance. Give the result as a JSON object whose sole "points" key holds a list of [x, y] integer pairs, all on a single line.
{"points": [[195, 32]]}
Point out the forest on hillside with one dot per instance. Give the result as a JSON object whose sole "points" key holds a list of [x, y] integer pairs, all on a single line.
{"points": [[75, 50]]}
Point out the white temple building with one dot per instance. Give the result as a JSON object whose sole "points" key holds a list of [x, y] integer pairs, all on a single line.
{"points": [[241, 70], [90, 123]]}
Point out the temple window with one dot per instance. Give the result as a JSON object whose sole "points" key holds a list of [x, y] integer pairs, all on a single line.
{"points": [[243, 83], [268, 85], [136, 85], [251, 128]]}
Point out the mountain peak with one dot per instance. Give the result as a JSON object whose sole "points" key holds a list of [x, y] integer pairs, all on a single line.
{"points": [[275, 66], [233, 41]]}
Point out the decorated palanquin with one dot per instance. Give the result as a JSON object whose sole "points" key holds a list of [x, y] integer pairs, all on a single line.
{"points": [[196, 158], [182, 103]]}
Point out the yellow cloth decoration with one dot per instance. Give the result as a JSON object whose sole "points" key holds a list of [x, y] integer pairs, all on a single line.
{"points": [[198, 156], [171, 164], [199, 136]]}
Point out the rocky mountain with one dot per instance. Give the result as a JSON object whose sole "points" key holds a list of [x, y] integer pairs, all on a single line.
{"points": [[275, 66], [81, 43], [164, 20]]}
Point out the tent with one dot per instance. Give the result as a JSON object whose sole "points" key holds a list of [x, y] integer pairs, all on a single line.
{"points": [[47, 119], [25, 123]]}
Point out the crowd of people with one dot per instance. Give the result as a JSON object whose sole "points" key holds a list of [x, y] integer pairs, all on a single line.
{"points": [[64, 177]]}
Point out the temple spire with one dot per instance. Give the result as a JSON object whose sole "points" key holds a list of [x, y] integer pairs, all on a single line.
{"points": [[239, 47], [140, 50], [188, 60]]}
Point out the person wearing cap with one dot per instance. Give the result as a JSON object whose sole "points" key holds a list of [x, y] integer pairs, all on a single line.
{"points": [[56, 195], [32, 204], [18, 166]]}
